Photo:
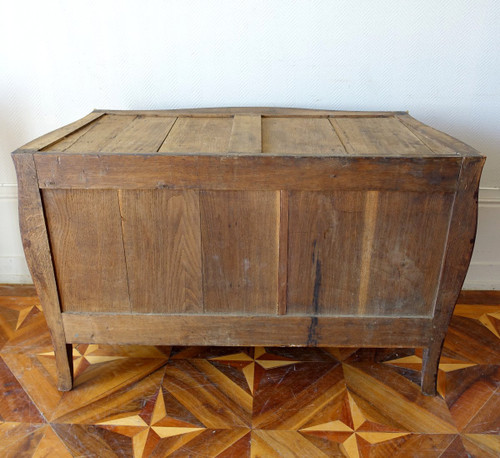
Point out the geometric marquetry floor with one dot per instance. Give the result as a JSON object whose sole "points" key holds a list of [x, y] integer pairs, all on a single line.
{"points": [[261, 402]]}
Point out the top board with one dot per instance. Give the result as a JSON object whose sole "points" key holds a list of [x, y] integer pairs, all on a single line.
{"points": [[251, 131]]}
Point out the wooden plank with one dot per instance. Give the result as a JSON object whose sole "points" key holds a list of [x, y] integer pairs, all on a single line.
{"points": [[246, 172], [388, 265], [283, 253], [378, 136], [58, 134], [240, 251], [300, 136], [459, 246], [103, 131], [38, 256], [246, 135], [324, 255], [142, 135], [437, 141], [244, 330], [161, 232], [404, 255], [87, 248], [196, 135]]}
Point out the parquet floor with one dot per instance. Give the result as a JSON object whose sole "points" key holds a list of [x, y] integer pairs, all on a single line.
{"points": [[259, 402]]}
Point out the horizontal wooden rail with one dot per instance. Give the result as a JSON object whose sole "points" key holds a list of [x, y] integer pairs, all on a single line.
{"points": [[153, 329]]}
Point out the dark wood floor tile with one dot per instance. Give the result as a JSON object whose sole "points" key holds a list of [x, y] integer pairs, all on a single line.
{"points": [[400, 399], [93, 441], [15, 404], [288, 396], [124, 404], [209, 394], [209, 352], [482, 445], [105, 381], [19, 439]]}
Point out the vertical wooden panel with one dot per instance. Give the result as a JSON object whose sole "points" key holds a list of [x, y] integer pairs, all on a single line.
{"points": [[283, 254], [406, 253], [161, 231], [240, 251], [387, 265], [324, 264], [87, 248]]}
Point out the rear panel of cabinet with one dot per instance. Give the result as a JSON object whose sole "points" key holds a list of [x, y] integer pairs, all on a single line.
{"points": [[363, 253]]}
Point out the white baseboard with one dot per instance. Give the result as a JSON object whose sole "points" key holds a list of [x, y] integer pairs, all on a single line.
{"points": [[484, 271]]}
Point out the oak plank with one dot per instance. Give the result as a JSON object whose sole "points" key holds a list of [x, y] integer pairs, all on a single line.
{"points": [[324, 264], [38, 256], [246, 135], [195, 135], [102, 131], [302, 136], [142, 135], [162, 240], [56, 135], [87, 248], [436, 140], [240, 251], [404, 256], [213, 329], [377, 136], [236, 172]]}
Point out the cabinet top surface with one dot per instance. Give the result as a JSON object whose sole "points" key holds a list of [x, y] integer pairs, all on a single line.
{"points": [[250, 131]]}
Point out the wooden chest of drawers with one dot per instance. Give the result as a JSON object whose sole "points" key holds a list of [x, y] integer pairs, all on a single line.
{"points": [[248, 226]]}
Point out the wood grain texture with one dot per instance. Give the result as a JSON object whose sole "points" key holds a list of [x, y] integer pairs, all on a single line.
{"points": [[240, 251], [300, 136], [161, 233], [58, 134], [436, 140], [246, 135], [142, 135], [199, 135], [460, 243], [283, 253], [87, 248], [388, 265], [250, 173], [244, 330], [378, 136], [95, 139], [38, 256]]}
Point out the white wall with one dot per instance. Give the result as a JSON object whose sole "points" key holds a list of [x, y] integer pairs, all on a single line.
{"points": [[439, 60]]}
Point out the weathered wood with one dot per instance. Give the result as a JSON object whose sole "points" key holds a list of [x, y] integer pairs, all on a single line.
{"points": [[436, 140], [254, 227], [461, 237], [239, 232], [301, 136], [52, 137], [198, 135], [244, 330], [246, 135], [142, 135], [379, 136], [38, 256], [162, 241], [87, 249], [388, 265], [283, 253], [101, 132], [251, 173]]}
